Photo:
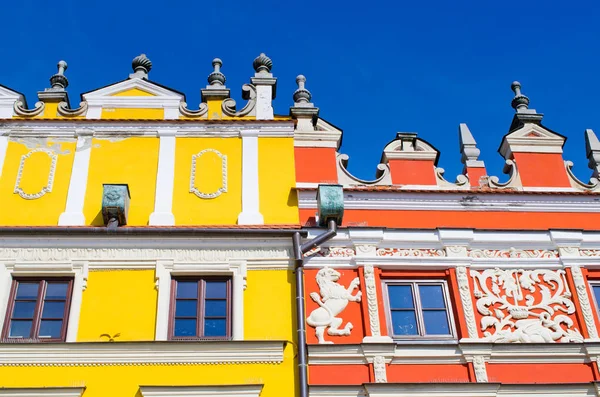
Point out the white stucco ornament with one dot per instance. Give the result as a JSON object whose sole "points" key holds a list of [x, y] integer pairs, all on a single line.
{"points": [[332, 300]]}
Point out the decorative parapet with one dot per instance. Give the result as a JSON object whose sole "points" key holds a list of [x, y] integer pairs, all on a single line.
{"points": [[383, 176], [592, 148]]}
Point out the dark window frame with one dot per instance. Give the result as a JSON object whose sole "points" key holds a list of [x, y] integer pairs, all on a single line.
{"points": [[414, 283], [38, 310], [200, 308]]}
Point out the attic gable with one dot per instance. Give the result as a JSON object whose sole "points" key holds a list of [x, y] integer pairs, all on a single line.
{"points": [[532, 138], [8, 98]]}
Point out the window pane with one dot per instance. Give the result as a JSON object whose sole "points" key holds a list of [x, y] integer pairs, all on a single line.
{"points": [[57, 290], [187, 289], [404, 322], [27, 290], [215, 327], [185, 327], [216, 289], [50, 329], [436, 322], [20, 328], [596, 289], [53, 310], [432, 296], [216, 308], [23, 310], [186, 308], [401, 297]]}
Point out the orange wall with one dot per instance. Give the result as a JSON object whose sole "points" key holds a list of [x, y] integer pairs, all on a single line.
{"points": [[463, 219], [338, 374], [430, 373], [475, 174], [315, 165], [543, 373], [412, 172], [542, 169]]}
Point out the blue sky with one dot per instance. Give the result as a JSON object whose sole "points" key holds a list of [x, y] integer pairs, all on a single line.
{"points": [[374, 68]]}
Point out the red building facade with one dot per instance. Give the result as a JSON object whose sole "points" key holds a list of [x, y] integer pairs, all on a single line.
{"points": [[477, 287]]}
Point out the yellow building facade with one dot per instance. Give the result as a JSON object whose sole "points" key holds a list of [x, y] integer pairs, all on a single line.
{"points": [[145, 247]]}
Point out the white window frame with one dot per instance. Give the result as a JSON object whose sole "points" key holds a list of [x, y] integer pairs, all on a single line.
{"points": [[418, 309], [202, 391], [594, 283], [78, 270], [166, 270]]}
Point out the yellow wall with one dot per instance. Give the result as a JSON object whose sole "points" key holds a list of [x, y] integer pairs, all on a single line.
{"points": [[277, 178], [118, 302], [190, 209], [45, 210], [123, 160]]}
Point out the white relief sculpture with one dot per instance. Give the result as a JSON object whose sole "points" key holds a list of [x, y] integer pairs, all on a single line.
{"points": [[48, 187], [589, 253], [410, 252], [219, 191], [379, 369], [480, 370], [584, 301], [332, 301], [333, 252], [513, 253], [371, 290], [530, 306], [465, 298]]}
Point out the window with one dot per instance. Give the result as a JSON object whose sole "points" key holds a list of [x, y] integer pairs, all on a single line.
{"points": [[419, 309], [38, 310], [596, 291], [200, 308]]}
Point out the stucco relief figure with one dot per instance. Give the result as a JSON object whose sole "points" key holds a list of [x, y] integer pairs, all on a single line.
{"points": [[333, 300]]}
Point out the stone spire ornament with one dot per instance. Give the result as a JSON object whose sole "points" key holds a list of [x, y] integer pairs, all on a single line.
{"points": [[301, 95], [216, 78], [592, 150], [59, 80], [262, 64], [58, 83], [141, 66], [520, 102], [468, 147]]}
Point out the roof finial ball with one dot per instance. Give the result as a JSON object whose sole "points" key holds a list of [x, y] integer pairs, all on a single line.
{"points": [[141, 64], [262, 64], [301, 95], [520, 102], [59, 80], [216, 77]]}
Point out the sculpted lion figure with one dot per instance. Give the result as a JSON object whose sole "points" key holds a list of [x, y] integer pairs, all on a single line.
{"points": [[333, 300]]}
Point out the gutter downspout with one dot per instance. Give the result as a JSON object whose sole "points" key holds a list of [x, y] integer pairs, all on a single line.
{"points": [[299, 251]]}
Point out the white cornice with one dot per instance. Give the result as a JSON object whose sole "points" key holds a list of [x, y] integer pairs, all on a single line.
{"points": [[42, 392], [140, 353], [247, 390]]}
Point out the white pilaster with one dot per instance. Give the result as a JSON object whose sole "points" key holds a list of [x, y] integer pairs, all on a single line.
{"points": [[264, 102], [73, 215], [5, 283], [250, 214], [79, 285], [3, 147], [163, 284], [165, 179], [237, 321]]}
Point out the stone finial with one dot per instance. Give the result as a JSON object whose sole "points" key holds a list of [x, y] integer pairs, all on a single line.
{"points": [[216, 77], [520, 102], [262, 64], [592, 150], [141, 66], [301, 95], [468, 146], [59, 81]]}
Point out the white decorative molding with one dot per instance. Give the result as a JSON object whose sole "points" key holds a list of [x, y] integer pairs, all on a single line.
{"points": [[593, 185], [228, 106], [3, 147], [48, 187], [379, 369], [514, 180], [250, 214], [332, 301], [513, 253], [331, 252], [584, 301], [462, 181], [510, 293], [411, 252], [141, 353], [480, 369], [374, 323], [219, 191], [165, 269], [465, 299], [76, 269], [41, 392], [246, 390], [165, 180], [65, 111], [590, 253], [73, 215], [21, 111], [202, 111], [383, 175]]}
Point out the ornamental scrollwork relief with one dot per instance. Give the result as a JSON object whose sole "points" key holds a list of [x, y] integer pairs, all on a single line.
{"points": [[589, 253], [410, 252], [379, 369], [513, 253], [219, 191], [529, 306], [465, 298], [332, 300], [371, 290], [481, 375], [584, 301], [50, 181]]}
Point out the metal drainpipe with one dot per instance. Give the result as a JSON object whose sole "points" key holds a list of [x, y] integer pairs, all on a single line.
{"points": [[299, 251]]}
